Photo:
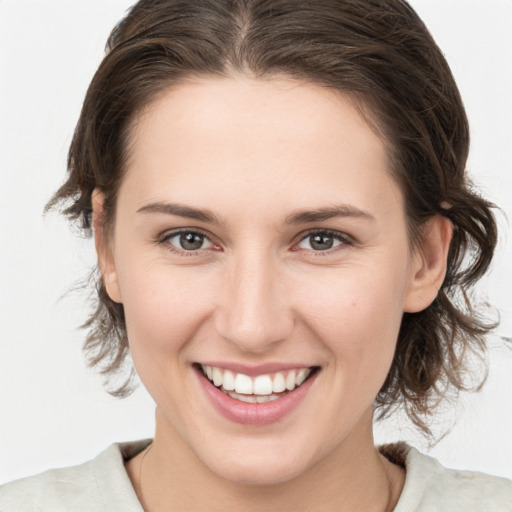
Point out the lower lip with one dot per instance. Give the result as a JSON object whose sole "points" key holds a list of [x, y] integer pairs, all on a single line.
{"points": [[255, 414]]}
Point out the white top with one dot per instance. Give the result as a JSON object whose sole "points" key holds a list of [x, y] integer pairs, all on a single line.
{"points": [[102, 485]]}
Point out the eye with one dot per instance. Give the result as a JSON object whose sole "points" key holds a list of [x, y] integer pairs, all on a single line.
{"points": [[323, 241], [188, 241]]}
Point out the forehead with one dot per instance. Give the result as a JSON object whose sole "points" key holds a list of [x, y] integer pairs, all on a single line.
{"points": [[278, 139]]}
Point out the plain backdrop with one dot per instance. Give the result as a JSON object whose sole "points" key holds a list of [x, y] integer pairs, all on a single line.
{"points": [[53, 410]]}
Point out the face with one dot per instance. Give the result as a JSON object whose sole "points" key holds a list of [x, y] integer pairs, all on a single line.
{"points": [[259, 240]]}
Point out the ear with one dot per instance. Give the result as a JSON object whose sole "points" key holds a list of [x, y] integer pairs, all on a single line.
{"points": [[429, 264], [103, 245]]}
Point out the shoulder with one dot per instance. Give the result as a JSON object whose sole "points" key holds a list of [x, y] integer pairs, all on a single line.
{"points": [[100, 484], [429, 486], [58, 489]]}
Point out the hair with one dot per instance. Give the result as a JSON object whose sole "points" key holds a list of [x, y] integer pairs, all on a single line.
{"points": [[377, 51]]}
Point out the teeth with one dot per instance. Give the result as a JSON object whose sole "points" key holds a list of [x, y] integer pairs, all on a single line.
{"points": [[255, 390], [229, 381], [252, 399], [278, 384], [290, 380], [263, 385], [218, 376], [243, 384], [301, 376]]}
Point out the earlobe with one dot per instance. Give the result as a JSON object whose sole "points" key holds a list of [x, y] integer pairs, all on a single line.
{"points": [[103, 245], [429, 264]]}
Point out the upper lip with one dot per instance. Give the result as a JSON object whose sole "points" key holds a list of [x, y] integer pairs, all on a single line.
{"points": [[255, 370]]}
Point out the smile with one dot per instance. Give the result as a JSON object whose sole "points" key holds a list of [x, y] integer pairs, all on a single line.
{"points": [[259, 389], [259, 398]]}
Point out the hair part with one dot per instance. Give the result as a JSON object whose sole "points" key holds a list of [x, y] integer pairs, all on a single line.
{"points": [[379, 52]]}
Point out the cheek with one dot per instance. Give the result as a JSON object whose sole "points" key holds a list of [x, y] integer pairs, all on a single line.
{"points": [[165, 309], [354, 320], [357, 316], [163, 305]]}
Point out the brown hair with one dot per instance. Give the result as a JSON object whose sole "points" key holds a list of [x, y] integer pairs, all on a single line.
{"points": [[380, 52]]}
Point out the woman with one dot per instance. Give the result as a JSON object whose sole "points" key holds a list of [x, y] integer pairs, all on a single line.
{"points": [[282, 223]]}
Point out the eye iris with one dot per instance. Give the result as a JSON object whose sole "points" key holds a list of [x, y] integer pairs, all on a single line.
{"points": [[321, 242], [191, 241]]}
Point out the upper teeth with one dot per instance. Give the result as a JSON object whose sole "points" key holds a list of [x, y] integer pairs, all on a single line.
{"points": [[260, 385]]}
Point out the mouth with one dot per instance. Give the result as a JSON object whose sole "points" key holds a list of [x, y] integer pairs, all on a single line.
{"points": [[257, 389]]}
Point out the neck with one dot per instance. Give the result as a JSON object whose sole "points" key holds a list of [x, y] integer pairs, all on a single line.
{"points": [[352, 477]]}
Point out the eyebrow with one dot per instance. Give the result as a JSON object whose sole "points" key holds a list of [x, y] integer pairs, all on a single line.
{"points": [[181, 211], [321, 214], [297, 217]]}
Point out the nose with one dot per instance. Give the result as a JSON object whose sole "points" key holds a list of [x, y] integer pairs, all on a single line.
{"points": [[254, 312]]}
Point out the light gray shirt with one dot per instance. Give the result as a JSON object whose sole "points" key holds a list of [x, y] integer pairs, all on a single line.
{"points": [[102, 485]]}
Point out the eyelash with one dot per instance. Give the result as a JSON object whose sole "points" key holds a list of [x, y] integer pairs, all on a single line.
{"points": [[164, 240], [343, 238]]}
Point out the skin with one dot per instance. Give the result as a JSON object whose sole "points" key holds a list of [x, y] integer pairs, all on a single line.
{"points": [[253, 153]]}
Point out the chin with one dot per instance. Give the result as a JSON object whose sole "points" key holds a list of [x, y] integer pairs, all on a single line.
{"points": [[257, 473], [259, 467]]}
